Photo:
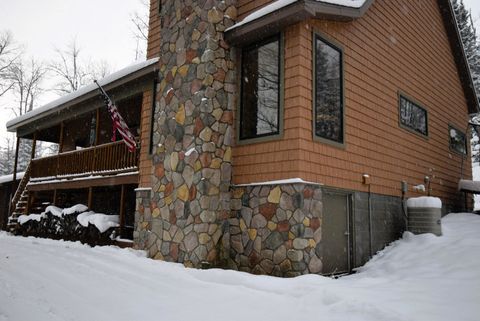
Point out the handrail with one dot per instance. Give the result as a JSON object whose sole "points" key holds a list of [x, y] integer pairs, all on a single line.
{"points": [[21, 187], [101, 158]]}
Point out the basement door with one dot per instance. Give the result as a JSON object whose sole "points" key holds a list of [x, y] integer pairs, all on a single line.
{"points": [[336, 241]]}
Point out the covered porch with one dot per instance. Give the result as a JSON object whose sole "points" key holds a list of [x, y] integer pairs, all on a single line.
{"points": [[88, 167]]}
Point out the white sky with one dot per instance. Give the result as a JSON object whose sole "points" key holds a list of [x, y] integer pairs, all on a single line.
{"points": [[474, 5], [102, 29]]}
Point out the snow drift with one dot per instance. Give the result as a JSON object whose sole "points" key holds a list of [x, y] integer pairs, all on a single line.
{"points": [[420, 277]]}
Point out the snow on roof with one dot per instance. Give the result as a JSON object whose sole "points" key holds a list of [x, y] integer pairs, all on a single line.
{"points": [[8, 178], [277, 5], [470, 186], [50, 107]]}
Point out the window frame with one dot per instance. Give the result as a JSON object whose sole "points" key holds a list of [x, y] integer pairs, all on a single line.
{"points": [[451, 126], [338, 47], [280, 115], [419, 105]]}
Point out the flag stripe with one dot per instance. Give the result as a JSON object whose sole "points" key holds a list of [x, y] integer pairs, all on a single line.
{"points": [[119, 124]]}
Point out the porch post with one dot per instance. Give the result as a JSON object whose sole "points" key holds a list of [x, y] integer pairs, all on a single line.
{"points": [[34, 145], [14, 182], [122, 210], [60, 143], [15, 165], [90, 196], [97, 126], [54, 197]]}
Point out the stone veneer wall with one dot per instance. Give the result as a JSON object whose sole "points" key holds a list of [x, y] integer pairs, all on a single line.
{"points": [[275, 229], [193, 135]]}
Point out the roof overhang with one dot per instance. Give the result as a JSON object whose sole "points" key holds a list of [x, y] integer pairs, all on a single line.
{"points": [[250, 30], [121, 84], [459, 55]]}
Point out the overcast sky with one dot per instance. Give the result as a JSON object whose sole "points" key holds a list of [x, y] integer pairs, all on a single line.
{"points": [[102, 29]]}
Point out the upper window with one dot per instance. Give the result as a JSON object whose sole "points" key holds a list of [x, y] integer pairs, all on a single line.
{"points": [[328, 120], [458, 141], [260, 97], [413, 116]]}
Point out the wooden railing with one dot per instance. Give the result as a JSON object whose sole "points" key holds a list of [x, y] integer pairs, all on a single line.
{"points": [[21, 187], [107, 158]]}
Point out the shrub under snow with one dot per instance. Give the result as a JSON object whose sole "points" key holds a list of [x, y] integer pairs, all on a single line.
{"points": [[73, 223]]}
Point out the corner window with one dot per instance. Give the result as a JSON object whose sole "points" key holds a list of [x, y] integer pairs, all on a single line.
{"points": [[412, 116], [328, 116], [458, 141], [260, 91]]}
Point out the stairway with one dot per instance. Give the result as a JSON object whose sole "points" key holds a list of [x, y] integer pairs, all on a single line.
{"points": [[19, 203]]}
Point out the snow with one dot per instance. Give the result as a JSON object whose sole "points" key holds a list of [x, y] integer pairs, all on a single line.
{"points": [[281, 182], [22, 219], [54, 210], [101, 221], [79, 208], [424, 201], [279, 4], [9, 178], [421, 277], [468, 185], [52, 106]]}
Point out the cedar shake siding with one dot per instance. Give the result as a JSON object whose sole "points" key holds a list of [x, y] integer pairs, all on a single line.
{"points": [[392, 49], [153, 48]]}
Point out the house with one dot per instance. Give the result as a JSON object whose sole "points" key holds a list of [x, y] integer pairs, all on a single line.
{"points": [[284, 135]]}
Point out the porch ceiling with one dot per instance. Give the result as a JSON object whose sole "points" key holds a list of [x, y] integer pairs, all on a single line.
{"points": [[121, 84]]}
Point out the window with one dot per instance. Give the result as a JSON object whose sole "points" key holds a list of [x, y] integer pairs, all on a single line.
{"points": [[328, 118], [412, 116], [458, 141], [260, 91]]}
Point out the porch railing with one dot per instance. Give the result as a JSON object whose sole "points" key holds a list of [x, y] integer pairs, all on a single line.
{"points": [[107, 158]]}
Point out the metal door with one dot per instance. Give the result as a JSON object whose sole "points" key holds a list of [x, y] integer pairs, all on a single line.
{"points": [[336, 241]]}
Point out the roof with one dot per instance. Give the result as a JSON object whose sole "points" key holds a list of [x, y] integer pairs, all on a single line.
{"points": [[283, 13], [81, 94], [280, 4]]}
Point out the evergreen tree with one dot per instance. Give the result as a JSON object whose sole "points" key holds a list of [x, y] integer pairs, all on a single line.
{"points": [[472, 51]]}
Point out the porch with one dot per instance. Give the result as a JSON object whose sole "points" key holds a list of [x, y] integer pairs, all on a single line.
{"points": [[86, 167]]}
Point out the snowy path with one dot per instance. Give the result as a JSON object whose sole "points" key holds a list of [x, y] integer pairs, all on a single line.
{"points": [[418, 278]]}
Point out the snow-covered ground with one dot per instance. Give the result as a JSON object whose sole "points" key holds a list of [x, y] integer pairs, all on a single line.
{"points": [[418, 278]]}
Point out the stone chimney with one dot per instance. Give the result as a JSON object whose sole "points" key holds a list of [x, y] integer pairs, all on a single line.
{"points": [[192, 135]]}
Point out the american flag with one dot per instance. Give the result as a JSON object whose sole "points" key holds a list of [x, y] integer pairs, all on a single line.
{"points": [[118, 123]]}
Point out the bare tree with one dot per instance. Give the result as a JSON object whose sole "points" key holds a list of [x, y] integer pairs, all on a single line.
{"points": [[140, 25], [74, 72], [9, 54], [26, 79]]}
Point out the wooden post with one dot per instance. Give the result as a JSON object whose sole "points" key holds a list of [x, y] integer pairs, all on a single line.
{"points": [[90, 197], [60, 142], [122, 210], [97, 126], [34, 145], [14, 182], [54, 197]]}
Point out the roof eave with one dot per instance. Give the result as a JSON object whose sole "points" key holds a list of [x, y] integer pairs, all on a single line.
{"points": [[289, 15], [143, 72]]}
